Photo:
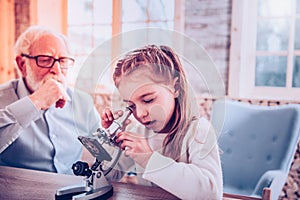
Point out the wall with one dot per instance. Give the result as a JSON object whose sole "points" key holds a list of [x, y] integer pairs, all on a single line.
{"points": [[22, 16], [208, 22]]}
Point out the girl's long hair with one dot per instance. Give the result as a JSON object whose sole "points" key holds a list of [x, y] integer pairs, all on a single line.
{"points": [[166, 66]]}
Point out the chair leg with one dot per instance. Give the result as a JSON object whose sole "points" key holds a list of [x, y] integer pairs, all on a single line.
{"points": [[267, 194]]}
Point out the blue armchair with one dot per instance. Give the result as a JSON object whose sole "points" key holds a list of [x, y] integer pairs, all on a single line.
{"points": [[258, 144]]}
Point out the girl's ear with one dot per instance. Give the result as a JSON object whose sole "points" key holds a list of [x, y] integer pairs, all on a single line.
{"points": [[21, 65], [176, 87]]}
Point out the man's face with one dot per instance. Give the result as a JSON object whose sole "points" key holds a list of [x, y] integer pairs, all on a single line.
{"points": [[34, 75]]}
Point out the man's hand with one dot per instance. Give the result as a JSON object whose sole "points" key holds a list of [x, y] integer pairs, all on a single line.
{"points": [[49, 93]]}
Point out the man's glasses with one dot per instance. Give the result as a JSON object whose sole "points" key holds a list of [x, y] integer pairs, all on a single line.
{"points": [[45, 61]]}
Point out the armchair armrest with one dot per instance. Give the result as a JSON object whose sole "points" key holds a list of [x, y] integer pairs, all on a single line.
{"points": [[273, 179]]}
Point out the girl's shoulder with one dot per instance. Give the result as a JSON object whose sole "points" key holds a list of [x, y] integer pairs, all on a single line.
{"points": [[200, 130], [200, 138]]}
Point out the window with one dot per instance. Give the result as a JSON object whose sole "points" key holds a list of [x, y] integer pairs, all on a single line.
{"points": [[92, 22], [265, 49], [89, 24], [7, 27], [149, 13]]}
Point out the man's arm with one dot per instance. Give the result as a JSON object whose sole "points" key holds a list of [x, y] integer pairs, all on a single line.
{"points": [[15, 117]]}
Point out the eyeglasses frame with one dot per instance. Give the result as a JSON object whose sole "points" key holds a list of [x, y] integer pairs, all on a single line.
{"points": [[54, 60]]}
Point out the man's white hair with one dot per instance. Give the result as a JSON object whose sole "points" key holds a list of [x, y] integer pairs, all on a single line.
{"points": [[32, 34]]}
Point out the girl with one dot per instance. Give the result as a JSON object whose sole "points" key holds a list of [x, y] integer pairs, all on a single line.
{"points": [[181, 154]]}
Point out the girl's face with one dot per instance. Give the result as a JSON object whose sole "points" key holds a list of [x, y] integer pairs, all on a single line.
{"points": [[152, 103]]}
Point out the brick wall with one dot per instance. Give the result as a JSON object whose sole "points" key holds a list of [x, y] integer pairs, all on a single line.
{"points": [[22, 16], [209, 22]]}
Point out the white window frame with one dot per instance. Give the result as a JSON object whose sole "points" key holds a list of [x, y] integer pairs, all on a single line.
{"points": [[243, 55]]}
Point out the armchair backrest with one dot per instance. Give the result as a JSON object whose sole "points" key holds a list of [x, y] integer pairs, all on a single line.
{"points": [[256, 141]]}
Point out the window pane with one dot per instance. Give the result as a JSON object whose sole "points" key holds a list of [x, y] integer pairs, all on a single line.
{"points": [[147, 11], [81, 39], [298, 6], [102, 13], [272, 35], [274, 8], [296, 72], [80, 13], [165, 24], [132, 26], [297, 34], [133, 10], [101, 33], [161, 10], [270, 71]]}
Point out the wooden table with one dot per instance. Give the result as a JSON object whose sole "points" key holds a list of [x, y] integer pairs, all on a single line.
{"points": [[16, 184]]}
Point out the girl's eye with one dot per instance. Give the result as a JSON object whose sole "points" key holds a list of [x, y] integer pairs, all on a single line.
{"points": [[148, 100]]}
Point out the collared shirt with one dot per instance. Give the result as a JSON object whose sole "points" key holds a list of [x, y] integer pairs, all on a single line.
{"points": [[43, 140]]}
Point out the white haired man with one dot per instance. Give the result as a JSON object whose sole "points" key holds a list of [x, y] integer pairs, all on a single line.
{"points": [[40, 117]]}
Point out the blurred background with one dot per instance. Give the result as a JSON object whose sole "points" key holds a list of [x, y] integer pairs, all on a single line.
{"points": [[254, 44]]}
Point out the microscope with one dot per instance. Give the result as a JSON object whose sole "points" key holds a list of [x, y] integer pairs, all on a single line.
{"points": [[95, 185]]}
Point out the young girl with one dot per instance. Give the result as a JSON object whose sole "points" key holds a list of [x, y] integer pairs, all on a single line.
{"points": [[181, 154]]}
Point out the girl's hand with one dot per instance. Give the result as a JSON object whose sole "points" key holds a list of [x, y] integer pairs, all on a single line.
{"points": [[136, 146], [108, 117]]}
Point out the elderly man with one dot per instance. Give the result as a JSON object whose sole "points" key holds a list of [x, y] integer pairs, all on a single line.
{"points": [[40, 117]]}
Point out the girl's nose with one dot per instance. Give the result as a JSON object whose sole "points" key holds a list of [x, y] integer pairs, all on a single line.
{"points": [[141, 112]]}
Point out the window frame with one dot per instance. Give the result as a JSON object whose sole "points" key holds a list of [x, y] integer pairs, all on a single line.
{"points": [[243, 55], [7, 38]]}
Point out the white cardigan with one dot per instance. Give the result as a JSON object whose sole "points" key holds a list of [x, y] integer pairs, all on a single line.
{"points": [[198, 173]]}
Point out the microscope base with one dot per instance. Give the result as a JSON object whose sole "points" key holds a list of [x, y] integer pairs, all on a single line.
{"points": [[84, 193]]}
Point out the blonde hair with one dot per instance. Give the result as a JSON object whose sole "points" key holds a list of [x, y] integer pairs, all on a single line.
{"points": [[162, 60]]}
